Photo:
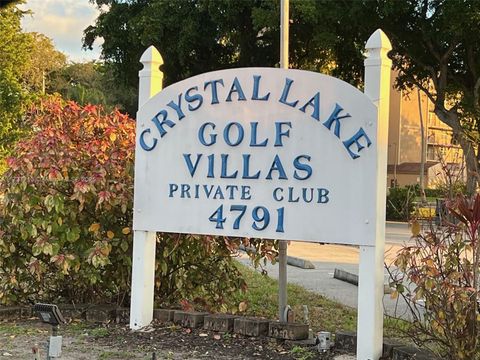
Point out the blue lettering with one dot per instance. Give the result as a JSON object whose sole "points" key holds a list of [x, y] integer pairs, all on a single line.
{"points": [[201, 134], [286, 90], [335, 118], [290, 196], [213, 85], [276, 196], [173, 188], [279, 133], [302, 167], [177, 107], [163, 122], [354, 140], [226, 134], [315, 103], [246, 193], [246, 168], [211, 159], [224, 169], [143, 144], [232, 189], [185, 191], [208, 190], [192, 98], [253, 139], [323, 196], [236, 88], [218, 193], [192, 168], [304, 194], [277, 166], [256, 86]]}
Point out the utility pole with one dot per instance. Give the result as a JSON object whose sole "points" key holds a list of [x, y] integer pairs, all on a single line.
{"points": [[283, 244]]}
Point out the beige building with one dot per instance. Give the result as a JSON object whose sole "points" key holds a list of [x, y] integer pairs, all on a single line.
{"points": [[442, 156]]}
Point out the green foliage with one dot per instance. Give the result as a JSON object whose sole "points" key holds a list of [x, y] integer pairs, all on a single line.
{"points": [[43, 59], [204, 35], [14, 50], [196, 271], [88, 83], [25, 62], [66, 207], [434, 48], [400, 202], [302, 353], [66, 230], [438, 277]]}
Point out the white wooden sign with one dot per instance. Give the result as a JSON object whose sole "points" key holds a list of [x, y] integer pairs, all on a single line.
{"points": [[260, 153], [265, 153]]}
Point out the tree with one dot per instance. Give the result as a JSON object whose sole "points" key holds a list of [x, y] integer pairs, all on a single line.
{"points": [[196, 36], [434, 48], [14, 50], [43, 59]]}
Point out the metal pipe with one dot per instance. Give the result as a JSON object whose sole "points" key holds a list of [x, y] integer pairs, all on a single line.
{"points": [[282, 247]]}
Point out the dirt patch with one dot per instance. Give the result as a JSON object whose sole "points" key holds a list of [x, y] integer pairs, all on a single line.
{"points": [[82, 342]]}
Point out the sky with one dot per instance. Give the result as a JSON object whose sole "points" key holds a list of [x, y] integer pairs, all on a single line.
{"points": [[63, 21]]}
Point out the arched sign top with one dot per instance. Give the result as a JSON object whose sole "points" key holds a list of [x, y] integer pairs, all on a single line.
{"points": [[280, 73], [258, 152]]}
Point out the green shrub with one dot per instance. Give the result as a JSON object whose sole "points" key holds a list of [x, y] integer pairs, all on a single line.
{"points": [[67, 218], [400, 202], [438, 277]]}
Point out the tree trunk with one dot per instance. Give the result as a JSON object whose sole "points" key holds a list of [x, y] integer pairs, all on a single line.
{"points": [[422, 148], [452, 120]]}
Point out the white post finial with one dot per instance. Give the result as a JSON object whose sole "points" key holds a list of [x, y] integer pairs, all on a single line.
{"points": [[370, 288], [150, 77], [377, 65]]}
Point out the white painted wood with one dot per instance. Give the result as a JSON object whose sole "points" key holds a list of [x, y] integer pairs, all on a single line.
{"points": [[143, 258], [143, 279], [150, 77], [370, 287], [178, 177]]}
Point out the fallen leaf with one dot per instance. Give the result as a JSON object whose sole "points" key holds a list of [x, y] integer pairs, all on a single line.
{"points": [[242, 306], [202, 335], [217, 337]]}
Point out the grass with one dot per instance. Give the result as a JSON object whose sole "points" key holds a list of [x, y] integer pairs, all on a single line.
{"points": [[99, 332], [324, 314], [14, 329]]}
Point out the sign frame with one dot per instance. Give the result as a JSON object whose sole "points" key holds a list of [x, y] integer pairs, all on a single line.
{"points": [[370, 291]]}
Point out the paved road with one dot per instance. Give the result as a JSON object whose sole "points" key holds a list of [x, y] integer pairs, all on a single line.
{"points": [[320, 280], [397, 233], [328, 257]]}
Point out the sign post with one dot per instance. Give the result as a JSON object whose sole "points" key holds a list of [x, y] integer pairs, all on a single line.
{"points": [[265, 153], [370, 286], [143, 258]]}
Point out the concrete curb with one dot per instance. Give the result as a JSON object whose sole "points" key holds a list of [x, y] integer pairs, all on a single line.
{"points": [[343, 275], [291, 260], [301, 263], [350, 278]]}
